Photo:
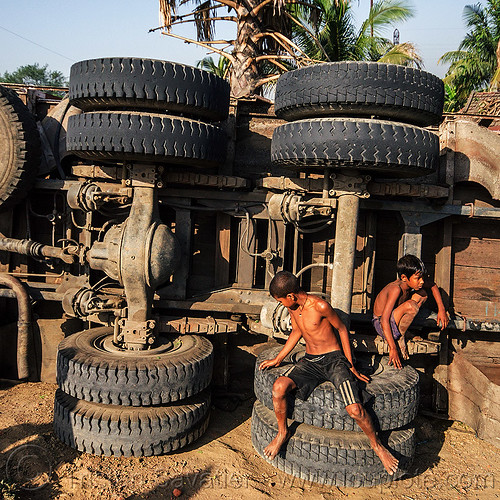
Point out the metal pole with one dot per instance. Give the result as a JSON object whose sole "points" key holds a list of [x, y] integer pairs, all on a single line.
{"points": [[23, 323], [371, 24], [344, 253]]}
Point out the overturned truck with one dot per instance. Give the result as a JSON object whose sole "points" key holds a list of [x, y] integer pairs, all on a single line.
{"points": [[144, 215]]}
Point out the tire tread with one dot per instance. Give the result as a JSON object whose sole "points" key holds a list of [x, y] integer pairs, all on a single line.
{"points": [[121, 431], [148, 84], [353, 88]]}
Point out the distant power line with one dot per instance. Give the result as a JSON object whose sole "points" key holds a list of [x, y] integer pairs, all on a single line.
{"points": [[35, 43]]}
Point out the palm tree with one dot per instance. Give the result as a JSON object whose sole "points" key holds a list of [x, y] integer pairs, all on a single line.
{"points": [[262, 28], [474, 65], [268, 35], [329, 34]]}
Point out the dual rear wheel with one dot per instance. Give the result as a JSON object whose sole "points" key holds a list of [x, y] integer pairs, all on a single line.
{"points": [[110, 400]]}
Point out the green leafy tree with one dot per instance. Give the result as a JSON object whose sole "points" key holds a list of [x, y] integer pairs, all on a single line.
{"points": [[328, 33], [221, 68], [34, 74], [450, 98], [474, 66]]}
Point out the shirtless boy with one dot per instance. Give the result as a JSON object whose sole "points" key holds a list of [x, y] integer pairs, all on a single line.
{"points": [[399, 302], [315, 320]]}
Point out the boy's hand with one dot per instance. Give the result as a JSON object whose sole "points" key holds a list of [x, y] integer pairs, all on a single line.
{"points": [[442, 319], [269, 363], [360, 376], [394, 359]]}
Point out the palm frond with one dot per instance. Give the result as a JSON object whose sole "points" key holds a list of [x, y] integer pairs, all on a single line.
{"points": [[475, 65], [384, 14], [205, 26], [404, 54], [167, 10]]}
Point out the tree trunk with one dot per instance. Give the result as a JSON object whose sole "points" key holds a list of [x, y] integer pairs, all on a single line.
{"points": [[245, 73], [495, 83]]}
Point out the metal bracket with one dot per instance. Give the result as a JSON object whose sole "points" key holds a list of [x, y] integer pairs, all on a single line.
{"points": [[208, 325], [414, 220], [144, 175], [135, 334], [346, 184], [411, 239], [212, 325]]}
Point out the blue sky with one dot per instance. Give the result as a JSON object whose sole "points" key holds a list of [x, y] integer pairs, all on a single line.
{"points": [[65, 32]]}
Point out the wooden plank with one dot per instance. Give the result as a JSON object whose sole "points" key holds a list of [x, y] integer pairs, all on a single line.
{"points": [[203, 252], [369, 261], [183, 233], [276, 241], [246, 263], [223, 244], [443, 269], [481, 310], [475, 252], [389, 228], [471, 228], [474, 398], [442, 276], [476, 283], [200, 283], [432, 242], [410, 243], [385, 272]]}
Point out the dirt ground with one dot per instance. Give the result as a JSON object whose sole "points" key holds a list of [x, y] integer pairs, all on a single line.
{"points": [[450, 461]]}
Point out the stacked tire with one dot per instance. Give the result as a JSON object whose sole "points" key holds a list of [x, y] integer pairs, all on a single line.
{"points": [[361, 117], [147, 110], [351, 117], [112, 401], [132, 403], [326, 445]]}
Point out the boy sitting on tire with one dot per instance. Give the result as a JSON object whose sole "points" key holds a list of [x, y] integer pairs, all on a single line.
{"points": [[315, 320], [398, 303]]}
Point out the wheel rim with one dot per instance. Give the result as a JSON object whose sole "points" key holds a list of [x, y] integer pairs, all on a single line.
{"points": [[104, 343]]}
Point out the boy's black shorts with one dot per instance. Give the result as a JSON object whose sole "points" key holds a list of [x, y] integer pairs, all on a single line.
{"points": [[313, 369]]}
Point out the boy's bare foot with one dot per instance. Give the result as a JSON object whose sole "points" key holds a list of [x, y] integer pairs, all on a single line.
{"points": [[273, 448], [389, 462], [403, 348]]}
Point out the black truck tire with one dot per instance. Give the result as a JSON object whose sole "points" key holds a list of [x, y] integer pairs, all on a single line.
{"points": [[372, 146], [351, 88], [328, 456], [124, 431], [87, 370], [394, 402], [20, 149], [145, 137], [148, 84]]}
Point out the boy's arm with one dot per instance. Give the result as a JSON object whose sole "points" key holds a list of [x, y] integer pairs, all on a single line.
{"points": [[291, 342], [442, 318], [327, 311], [392, 297]]}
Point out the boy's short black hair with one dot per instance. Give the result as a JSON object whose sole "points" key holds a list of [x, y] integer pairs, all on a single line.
{"points": [[409, 265], [284, 283]]}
